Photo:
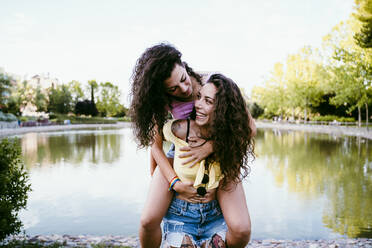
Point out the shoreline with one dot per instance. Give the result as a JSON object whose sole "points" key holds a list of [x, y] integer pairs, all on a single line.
{"points": [[326, 129], [38, 129], [132, 241]]}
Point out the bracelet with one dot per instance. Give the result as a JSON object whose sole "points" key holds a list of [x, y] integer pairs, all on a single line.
{"points": [[173, 182]]}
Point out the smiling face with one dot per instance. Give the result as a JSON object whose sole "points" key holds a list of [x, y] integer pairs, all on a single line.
{"points": [[179, 85], [204, 105]]}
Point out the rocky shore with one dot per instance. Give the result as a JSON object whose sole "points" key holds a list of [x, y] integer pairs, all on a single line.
{"points": [[120, 241]]}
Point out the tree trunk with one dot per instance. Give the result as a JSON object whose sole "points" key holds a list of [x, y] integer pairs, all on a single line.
{"points": [[359, 117], [92, 94], [305, 115], [367, 117]]}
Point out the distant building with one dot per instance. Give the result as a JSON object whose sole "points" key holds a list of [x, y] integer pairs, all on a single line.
{"points": [[42, 80]]}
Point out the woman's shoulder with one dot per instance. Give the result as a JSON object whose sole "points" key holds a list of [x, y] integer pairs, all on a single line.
{"points": [[179, 128]]}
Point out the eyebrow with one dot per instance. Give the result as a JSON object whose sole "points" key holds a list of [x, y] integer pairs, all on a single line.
{"points": [[208, 97]]}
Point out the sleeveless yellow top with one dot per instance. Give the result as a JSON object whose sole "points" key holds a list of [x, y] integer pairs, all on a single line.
{"points": [[195, 173]]}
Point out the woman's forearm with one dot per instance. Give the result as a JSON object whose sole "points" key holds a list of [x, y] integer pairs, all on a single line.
{"points": [[160, 158]]}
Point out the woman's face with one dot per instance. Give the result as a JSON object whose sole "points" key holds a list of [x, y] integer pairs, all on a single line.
{"points": [[204, 105], [179, 85]]}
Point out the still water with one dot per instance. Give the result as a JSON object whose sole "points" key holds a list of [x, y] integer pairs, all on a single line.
{"points": [[301, 185]]}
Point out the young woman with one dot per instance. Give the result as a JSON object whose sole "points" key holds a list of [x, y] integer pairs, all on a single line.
{"points": [[221, 116], [162, 83]]}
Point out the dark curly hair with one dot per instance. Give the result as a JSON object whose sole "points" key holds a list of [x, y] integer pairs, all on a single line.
{"points": [[149, 99], [230, 131]]}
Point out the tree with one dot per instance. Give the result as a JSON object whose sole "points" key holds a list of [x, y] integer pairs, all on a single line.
{"points": [[364, 14], [5, 85], [351, 70], [108, 103], [60, 99], [92, 87], [41, 100], [76, 91], [14, 187], [303, 79]]}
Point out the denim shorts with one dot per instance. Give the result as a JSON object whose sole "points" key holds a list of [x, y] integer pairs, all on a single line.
{"points": [[170, 153], [200, 221]]}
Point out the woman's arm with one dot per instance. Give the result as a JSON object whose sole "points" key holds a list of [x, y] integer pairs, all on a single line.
{"points": [[185, 189]]}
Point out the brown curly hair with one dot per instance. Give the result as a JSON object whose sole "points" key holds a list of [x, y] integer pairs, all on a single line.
{"points": [[148, 96], [230, 131]]}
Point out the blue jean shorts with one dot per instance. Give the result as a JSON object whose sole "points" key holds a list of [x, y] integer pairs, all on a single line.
{"points": [[200, 221], [170, 153]]}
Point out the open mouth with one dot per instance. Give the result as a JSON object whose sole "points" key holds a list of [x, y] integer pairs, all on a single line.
{"points": [[200, 115]]}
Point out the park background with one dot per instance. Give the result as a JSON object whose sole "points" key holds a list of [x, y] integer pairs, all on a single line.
{"points": [[296, 62]]}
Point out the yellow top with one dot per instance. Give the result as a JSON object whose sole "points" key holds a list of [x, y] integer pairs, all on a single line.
{"points": [[195, 173]]}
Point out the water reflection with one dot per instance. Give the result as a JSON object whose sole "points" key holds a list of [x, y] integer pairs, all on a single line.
{"points": [[72, 147], [302, 185], [315, 166], [84, 182]]}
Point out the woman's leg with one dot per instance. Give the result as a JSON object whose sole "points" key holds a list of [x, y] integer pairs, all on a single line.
{"points": [[235, 211], [156, 206]]}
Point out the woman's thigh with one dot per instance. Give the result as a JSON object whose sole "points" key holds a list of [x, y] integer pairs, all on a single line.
{"points": [[234, 207], [158, 199]]}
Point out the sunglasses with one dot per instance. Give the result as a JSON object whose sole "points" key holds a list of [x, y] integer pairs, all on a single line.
{"points": [[201, 190]]}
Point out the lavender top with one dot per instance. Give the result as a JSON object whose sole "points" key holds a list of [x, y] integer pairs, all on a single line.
{"points": [[181, 110]]}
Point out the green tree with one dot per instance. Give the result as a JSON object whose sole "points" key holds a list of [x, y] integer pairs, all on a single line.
{"points": [[41, 100], [273, 95], [14, 187], [76, 90], [5, 86], [60, 99], [351, 70], [363, 14], [303, 80], [92, 88], [108, 103]]}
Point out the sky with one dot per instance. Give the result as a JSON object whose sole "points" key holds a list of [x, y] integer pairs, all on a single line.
{"points": [[90, 39]]}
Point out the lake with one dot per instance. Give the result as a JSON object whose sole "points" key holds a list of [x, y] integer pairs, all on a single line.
{"points": [[301, 185]]}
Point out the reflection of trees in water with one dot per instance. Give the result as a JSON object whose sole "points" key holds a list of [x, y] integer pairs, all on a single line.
{"points": [[74, 148], [314, 164]]}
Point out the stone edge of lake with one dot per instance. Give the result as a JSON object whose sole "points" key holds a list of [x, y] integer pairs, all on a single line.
{"points": [[23, 130], [132, 241], [327, 129]]}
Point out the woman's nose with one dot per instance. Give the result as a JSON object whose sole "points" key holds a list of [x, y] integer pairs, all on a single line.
{"points": [[183, 88]]}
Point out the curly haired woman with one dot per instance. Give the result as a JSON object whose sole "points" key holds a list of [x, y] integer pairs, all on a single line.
{"points": [[162, 83], [221, 116]]}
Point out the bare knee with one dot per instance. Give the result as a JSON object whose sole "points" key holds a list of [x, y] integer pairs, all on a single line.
{"points": [[149, 223], [241, 232]]}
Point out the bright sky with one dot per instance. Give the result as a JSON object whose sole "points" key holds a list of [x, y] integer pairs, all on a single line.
{"points": [[90, 39]]}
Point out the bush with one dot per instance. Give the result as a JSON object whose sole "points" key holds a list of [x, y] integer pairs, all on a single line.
{"points": [[7, 117], [255, 110], [13, 187]]}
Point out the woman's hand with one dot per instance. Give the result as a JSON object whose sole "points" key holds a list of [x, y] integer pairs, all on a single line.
{"points": [[196, 154], [187, 192]]}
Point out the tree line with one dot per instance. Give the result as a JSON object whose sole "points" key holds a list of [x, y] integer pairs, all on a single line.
{"points": [[95, 99], [332, 80]]}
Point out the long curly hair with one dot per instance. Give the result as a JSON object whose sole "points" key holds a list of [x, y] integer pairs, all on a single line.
{"points": [[230, 131], [149, 99]]}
